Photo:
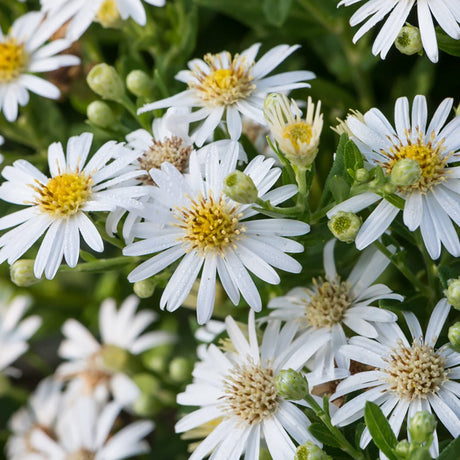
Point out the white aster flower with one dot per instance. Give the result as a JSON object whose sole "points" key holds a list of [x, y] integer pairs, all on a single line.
{"points": [[446, 14], [228, 87], [432, 200], [408, 376], [84, 431], [97, 367], [82, 13], [236, 389], [59, 205], [331, 304], [22, 53], [191, 218]]}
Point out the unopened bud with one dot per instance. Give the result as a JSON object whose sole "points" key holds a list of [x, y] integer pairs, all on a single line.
{"points": [[145, 288], [453, 293], [291, 384], [114, 358], [240, 188], [421, 426], [361, 175], [345, 226], [147, 383], [104, 80], [100, 114], [405, 172], [403, 449], [454, 334], [310, 451], [139, 83], [409, 40], [180, 369], [22, 273]]}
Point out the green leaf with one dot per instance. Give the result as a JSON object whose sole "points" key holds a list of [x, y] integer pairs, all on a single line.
{"points": [[395, 200], [322, 434], [353, 157], [451, 451], [448, 272], [380, 429], [447, 44], [339, 188], [277, 11]]}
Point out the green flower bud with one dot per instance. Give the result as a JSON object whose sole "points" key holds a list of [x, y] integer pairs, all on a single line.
{"points": [[147, 383], [139, 83], [180, 369], [454, 334], [420, 453], [361, 175], [104, 80], [114, 358], [240, 188], [405, 172], [100, 114], [145, 288], [409, 40], [345, 226], [22, 273], [421, 427], [146, 405], [291, 384], [310, 451], [403, 449], [453, 293]]}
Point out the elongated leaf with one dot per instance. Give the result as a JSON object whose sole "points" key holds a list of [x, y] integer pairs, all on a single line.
{"points": [[451, 451], [277, 11], [447, 44], [322, 434]]}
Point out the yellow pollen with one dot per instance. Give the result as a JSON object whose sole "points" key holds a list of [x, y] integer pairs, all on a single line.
{"points": [[416, 371], [250, 393], [223, 85], [298, 133], [82, 454], [64, 195], [108, 14], [328, 303], [210, 225], [13, 60], [428, 155]]}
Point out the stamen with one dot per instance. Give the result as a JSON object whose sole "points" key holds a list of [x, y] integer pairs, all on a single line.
{"points": [[13, 60]]}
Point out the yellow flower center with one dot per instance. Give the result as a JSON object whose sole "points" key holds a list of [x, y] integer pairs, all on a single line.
{"points": [[108, 14], [250, 393], [13, 60], [429, 156], [223, 86], [328, 303], [64, 195], [82, 454], [210, 225], [416, 371], [298, 133]]}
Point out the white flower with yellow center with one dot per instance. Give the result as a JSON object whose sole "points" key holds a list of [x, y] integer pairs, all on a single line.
{"points": [[23, 53], [236, 389], [81, 13], [409, 376], [191, 218], [59, 205], [446, 14], [228, 87], [330, 305], [432, 196]]}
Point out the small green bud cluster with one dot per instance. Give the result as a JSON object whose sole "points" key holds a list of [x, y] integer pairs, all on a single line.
{"points": [[291, 384]]}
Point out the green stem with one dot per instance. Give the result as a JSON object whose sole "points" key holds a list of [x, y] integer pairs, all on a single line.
{"points": [[100, 264]]}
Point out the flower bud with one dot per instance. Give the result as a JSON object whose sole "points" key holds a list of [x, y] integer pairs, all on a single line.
{"points": [[139, 83], [345, 226], [310, 451], [409, 40], [362, 175], [104, 80], [405, 172], [100, 114], [240, 188], [22, 273], [420, 453], [180, 369], [454, 334], [453, 293], [403, 449], [114, 358], [291, 384], [421, 427], [145, 288]]}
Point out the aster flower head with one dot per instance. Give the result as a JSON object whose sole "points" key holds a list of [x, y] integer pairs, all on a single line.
{"points": [[58, 206], [97, 368], [22, 53], [431, 201], [190, 218], [222, 86], [236, 392], [322, 311], [408, 376], [445, 13]]}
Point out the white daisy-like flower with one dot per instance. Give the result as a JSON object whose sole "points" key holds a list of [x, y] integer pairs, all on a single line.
{"points": [[81, 13], [15, 331], [446, 14], [97, 367], [236, 389], [331, 304], [408, 376], [23, 53], [84, 431], [40, 414], [59, 205], [432, 201], [190, 218], [222, 86]]}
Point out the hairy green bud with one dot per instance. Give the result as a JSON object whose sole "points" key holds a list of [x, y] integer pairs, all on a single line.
{"points": [[409, 40], [22, 273], [421, 427], [104, 80], [291, 384], [310, 451], [345, 226], [453, 293], [145, 288], [240, 188], [362, 175], [139, 83], [454, 334], [100, 114], [405, 172], [403, 448]]}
